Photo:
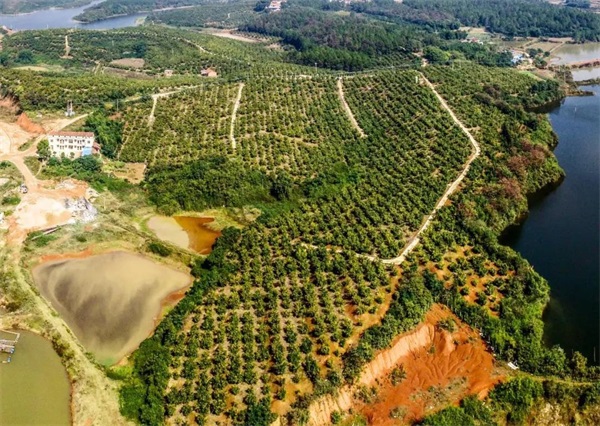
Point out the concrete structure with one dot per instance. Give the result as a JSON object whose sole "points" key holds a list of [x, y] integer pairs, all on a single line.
{"points": [[72, 144], [274, 6], [208, 72]]}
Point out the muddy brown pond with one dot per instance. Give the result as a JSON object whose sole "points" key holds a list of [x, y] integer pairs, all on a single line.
{"points": [[34, 388], [186, 232], [111, 300]]}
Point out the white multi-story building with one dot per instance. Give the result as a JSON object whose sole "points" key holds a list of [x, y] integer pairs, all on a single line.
{"points": [[72, 144]]}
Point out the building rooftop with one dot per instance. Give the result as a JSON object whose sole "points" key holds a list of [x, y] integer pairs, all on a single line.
{"points": [[84, 134]]}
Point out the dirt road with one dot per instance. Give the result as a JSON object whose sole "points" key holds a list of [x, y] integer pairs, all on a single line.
{"points": [[340, 86], [43, 205], [451, 188], [236, 106]]}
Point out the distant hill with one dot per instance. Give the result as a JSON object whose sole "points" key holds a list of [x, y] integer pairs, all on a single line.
{"points": [[24, 6]]}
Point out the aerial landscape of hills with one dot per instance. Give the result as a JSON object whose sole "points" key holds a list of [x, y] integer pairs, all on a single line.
{"points": [[299, 212]]}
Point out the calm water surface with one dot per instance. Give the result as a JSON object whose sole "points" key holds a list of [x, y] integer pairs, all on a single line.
{"points": [[561, 237], [576, 52], [63, 18], [34, 388]]}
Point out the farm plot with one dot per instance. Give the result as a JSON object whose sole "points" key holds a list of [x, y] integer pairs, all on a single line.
{"points": [[186, 125], [278, 326], [394, 176], [296, 124]]}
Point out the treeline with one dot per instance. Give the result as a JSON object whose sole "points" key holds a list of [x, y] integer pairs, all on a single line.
{"points": [[219, 15], [335, 41], [522, 399], [523, 18], [207, 182], [108, 131], [110, 8], [88, 168], [25, 6]]}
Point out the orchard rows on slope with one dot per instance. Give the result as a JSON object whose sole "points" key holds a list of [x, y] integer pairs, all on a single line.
{"points": [[280, 323]]}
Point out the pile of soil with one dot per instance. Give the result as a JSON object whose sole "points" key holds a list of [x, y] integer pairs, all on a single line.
{"points": [[29, 126]]}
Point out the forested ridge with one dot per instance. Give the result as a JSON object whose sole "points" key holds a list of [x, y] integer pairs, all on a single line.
{"points": [[110, 8], [518, 17], [356, 42], [25, 6], [311, 299]]}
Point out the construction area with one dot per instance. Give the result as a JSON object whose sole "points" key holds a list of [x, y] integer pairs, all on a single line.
{"points": [[38, 204]]}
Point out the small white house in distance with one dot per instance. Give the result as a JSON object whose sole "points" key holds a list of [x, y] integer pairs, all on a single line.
{"points": [[72, 144]]}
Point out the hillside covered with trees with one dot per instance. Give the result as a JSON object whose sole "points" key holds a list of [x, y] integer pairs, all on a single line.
{"points": [[349, 149]]}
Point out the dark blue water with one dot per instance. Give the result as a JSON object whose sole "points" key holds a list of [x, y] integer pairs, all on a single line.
{"points": [[561, 236], [63, 18]]}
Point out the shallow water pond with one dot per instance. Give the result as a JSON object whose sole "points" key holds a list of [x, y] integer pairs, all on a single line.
{"points": [[186, 232], [111, 301], [575, 53], [34, 388]]}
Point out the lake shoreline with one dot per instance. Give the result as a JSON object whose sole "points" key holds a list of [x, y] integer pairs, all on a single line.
{"points": [[556, 233], [79, 4]]}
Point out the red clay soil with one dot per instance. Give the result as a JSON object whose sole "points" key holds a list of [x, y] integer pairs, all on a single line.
{"points": [[26, 124], [64, 256], [454, 365]]}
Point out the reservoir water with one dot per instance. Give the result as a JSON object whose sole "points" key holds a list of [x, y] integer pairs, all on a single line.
{"points": [[63, 18], [576, 52], [570, 53], [34, 388], [561, 236], [111, 301]]}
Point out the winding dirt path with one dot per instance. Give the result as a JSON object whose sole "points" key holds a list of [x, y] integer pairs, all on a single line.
{"points": [[340, 86], [451, 188], [67, 47], [17, 157], [155, 98], [236, 106]]}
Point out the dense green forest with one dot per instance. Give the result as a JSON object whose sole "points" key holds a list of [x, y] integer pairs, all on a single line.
{"points": [[518, 17], [109, 8], [354, 42], [25, 6]]}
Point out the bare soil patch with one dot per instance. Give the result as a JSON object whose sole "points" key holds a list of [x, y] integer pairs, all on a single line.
{"points": [[455, 364], [423, 371], [118, 72], [43, 207], [133, 172], [26, 124], [136, 63], [231, 35]]}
